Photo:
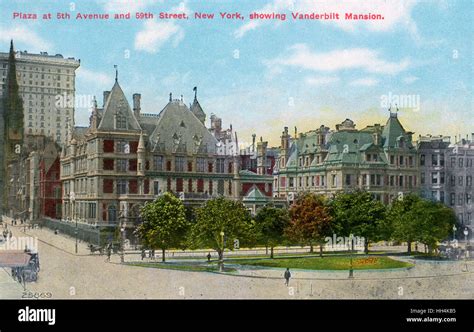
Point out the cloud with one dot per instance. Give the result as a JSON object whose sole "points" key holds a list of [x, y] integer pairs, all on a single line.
{"points": [[396, 13], [325, 80], [410, 79], [123, 6], [155, 34], [364, 82], [356, 58], [24, 35], [100, 79]]}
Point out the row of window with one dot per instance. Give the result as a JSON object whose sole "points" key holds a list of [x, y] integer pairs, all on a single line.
{"points": [[439, 178], [350, 179], [438, 160]]}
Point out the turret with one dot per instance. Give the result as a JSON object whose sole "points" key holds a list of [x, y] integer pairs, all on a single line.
{"points": [[141, 158]]}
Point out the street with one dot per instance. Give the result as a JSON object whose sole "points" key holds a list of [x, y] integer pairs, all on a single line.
{"points": [[65, 275]]}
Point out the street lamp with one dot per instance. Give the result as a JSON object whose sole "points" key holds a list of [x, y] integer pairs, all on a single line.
{"points": [[351, 247], [466, 232], [122, 230], [454, 232], [73, 199], [221, 260]]}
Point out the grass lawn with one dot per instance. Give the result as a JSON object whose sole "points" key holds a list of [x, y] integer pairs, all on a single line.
{"points": [[182, 266], [326, 263]]}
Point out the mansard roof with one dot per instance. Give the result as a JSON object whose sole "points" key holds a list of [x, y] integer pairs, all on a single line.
{"points": [[179, 130], [117, 104], [393, 131]]}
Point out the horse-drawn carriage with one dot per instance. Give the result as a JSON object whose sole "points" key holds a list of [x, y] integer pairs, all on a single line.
{"points": [[24, 264]]}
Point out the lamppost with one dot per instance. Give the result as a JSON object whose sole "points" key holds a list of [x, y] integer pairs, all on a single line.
{"points": [[466, 233], [454, 233], [122, 243], [73, 199], [221, 261], [351, 248]]}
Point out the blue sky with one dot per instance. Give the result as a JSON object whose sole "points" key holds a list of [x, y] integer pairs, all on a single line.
{"points": [[261, 76]]}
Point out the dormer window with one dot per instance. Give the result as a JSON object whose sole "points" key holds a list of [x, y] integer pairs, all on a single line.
{"points": [[120, 121]]}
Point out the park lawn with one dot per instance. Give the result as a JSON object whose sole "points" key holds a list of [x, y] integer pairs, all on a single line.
{"points": [[327, 263], [181, 266]]}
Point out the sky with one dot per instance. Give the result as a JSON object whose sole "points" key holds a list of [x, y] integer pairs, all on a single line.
{"points": [[260, 76]]}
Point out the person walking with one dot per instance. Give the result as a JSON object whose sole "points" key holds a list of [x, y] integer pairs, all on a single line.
{"points": [[143, 254], [209, 257], [287, 276]]}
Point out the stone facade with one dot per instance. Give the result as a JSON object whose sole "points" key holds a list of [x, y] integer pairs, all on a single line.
{"points": [[380, 159]]}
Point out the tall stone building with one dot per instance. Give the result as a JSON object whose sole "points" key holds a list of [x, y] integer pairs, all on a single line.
{"points": [[126, 158], [380, 159], [47, 87]]}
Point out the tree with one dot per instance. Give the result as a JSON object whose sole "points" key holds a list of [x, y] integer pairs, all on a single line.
{"points": [[164, 223], [221, 216], [358, 213], [270, 223], [400, 220], [310, 220], [415, 219]]}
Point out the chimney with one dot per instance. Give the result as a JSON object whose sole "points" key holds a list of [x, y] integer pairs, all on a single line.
{"points": [[136, 104], [106, 96]]}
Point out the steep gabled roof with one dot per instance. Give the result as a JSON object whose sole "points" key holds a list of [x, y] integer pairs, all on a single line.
{"points": [[392, 131], [177, 126], [117, 104], [196, 109]]}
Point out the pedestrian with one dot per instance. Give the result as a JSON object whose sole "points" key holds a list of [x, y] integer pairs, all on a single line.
{"points": [[287, 276], [10, 235], [153, 254], [109, 252], [143, 254], [208, 257], [149, 254]]}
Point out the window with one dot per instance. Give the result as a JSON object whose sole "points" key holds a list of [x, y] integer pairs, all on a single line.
{"points": [[158, 163], [120, 121], [392, 179], [441, 160], [434, 178], [410, 161], [422, 160], [334, 181], [132, 165], [453, 162], [156, 187], [123, 147], [400, 180], [348, 179], [441, 180], [452, 180], [422, 179], [452, 199], [461, 162], [441, 196], [200, 164], [460, 199], [468, 199], [121, 187], [122, 165], [108, 145], [108, 186], [168, 165], [190, 166], [400, 160], [291, 183], [434, 160], [220, 187], [220, 165], [92, 210], [460, 180], [179, 163], [108, 165], [179, 185], [200, 185], [468, 180]]}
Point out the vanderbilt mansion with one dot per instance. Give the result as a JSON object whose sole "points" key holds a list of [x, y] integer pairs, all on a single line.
{"points": [[125, 158]]}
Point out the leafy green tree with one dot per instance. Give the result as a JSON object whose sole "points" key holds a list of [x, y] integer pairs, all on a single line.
{"points": [[400, 220], [164, 224], [310, 220], [270, 223], [221, 216], [358, 213], [433, 221]]}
